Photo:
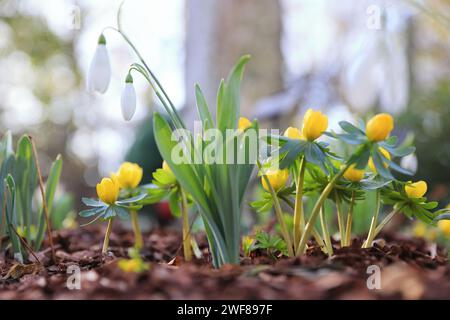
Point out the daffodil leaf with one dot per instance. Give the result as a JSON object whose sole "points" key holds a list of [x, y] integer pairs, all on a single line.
{"points": [[203, 110]]}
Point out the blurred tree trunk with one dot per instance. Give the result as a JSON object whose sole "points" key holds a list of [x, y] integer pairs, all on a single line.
{"points": [[218, 33]]}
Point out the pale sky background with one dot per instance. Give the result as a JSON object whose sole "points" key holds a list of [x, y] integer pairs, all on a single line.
{"points": [[311, 34]]}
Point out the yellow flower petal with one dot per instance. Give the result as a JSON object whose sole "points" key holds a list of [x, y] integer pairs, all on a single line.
{"points": [[416, 189], [314, 124], [108, 190], [129, 175], [277, 179], [244, 123], [379, 127], [293, 133], [353, 174]]}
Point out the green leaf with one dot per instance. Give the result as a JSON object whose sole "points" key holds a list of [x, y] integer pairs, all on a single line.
{"points": [[91, 212], [203, 110], [174, 204], [92, 202], [50, 188], [228, 97], [132, 199], [350, 128]]}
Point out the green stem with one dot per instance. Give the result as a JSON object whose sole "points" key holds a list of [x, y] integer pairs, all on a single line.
{"points": [[312, 220], [348, 229], [341, 221], [373, 223], [280, 218], [186, 228], [385, 221], [107, 235], [315, 233], [299, 220], [325, 232], [138, 242]]}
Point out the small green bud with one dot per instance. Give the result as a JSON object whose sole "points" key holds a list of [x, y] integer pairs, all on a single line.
{"points": [[129, 79], [101, 39]]}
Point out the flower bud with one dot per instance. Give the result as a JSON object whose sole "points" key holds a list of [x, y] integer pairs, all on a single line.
{"points": [[167, 169], [129, 175], [379, 127], [243, 123], [314, 124], [108, 189], [416, 189], [99, 74], [354, 175], [128, 99], [293, 133], [277, 179]]}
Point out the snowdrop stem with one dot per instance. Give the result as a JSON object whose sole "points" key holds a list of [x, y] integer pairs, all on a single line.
{"points": [[151, 76]]}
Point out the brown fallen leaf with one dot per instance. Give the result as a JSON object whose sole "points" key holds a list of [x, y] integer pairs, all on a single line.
{"points": [[18, 270]]}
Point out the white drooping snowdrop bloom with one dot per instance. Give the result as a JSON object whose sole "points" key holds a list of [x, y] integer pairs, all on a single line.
{"points": [[100, 69], [409, 162], [128, 99]]}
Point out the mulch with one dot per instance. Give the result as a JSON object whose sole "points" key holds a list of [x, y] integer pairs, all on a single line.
{"points": [[410, 269]]}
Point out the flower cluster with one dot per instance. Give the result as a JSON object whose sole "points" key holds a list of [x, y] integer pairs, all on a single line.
{"points": [[316, 171]]}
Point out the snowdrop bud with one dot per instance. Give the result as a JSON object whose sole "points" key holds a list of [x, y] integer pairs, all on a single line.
{"points": [[409, 162], [128, 99], [100, 69]]}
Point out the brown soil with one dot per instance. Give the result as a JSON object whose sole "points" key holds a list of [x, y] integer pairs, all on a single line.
{"points": [[410, 269]]}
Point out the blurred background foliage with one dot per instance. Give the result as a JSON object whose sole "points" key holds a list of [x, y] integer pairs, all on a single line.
{"points": [[351, 58]]}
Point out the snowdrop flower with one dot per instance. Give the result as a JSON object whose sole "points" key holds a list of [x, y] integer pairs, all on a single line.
{"points": [[128, 100], [100, 69], [409, 162]]}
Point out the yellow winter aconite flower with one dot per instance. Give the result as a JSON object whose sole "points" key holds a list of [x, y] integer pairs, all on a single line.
{"points": [[444, 226], [132, 265], [108, 189], [314, 124], [129, 175], [244, 123], [379, 127], [416, 189], [167, 169], [385, 154], [293, 133], [277, 179], [420, 229], [353, 174]]}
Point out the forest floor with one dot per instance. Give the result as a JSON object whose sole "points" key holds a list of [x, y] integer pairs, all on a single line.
{"points": [[409, 269]]}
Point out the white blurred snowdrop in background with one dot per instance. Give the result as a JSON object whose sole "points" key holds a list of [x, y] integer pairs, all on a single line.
{"points": [[99, 74]]}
